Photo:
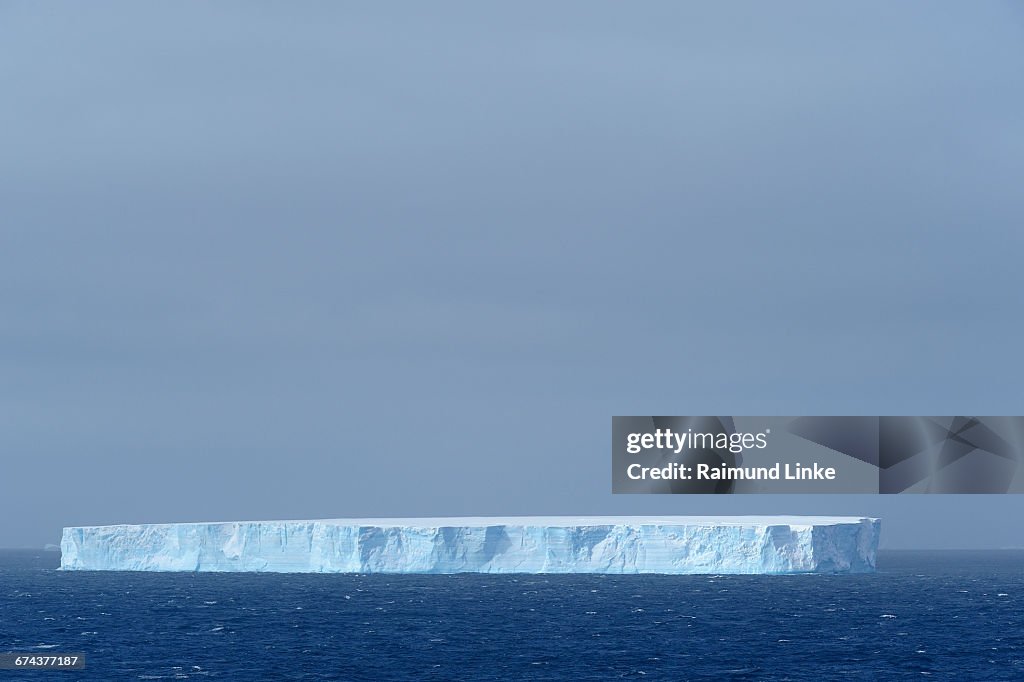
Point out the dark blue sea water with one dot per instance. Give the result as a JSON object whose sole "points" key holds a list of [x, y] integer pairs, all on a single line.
{"points": [[924, 615]]}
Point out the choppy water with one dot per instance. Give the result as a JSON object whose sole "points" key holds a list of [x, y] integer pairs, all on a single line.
{"points": [[924, 615]]}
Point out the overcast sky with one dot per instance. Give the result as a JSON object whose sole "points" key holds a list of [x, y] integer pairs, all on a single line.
{"points": [[304, 260]]}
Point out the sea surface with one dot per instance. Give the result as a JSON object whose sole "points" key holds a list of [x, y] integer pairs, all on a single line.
{"points": [[923, 615]]}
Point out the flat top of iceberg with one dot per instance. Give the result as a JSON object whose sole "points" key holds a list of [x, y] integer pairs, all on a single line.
{"points": [[559, 521]]}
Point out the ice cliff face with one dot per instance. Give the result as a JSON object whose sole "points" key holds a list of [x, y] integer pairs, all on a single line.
{"points": [[676, 545]]}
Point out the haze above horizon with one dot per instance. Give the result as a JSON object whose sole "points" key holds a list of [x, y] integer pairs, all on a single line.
{"points": [[312, 261]]}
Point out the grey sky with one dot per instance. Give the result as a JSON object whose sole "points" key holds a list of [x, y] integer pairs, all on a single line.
{"points": [[322, 260]]}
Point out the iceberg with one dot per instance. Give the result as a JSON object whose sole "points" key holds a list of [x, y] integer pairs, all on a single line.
{"points": [[665, 545]]}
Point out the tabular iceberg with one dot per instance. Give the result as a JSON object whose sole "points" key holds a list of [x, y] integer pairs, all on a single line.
{"points": [[669, 545]]}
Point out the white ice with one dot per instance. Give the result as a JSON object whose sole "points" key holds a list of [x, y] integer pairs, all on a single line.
{"points": [[668, 544]]}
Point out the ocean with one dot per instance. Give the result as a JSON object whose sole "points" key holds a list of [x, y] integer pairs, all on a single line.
{"points": [[923, 615]]}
